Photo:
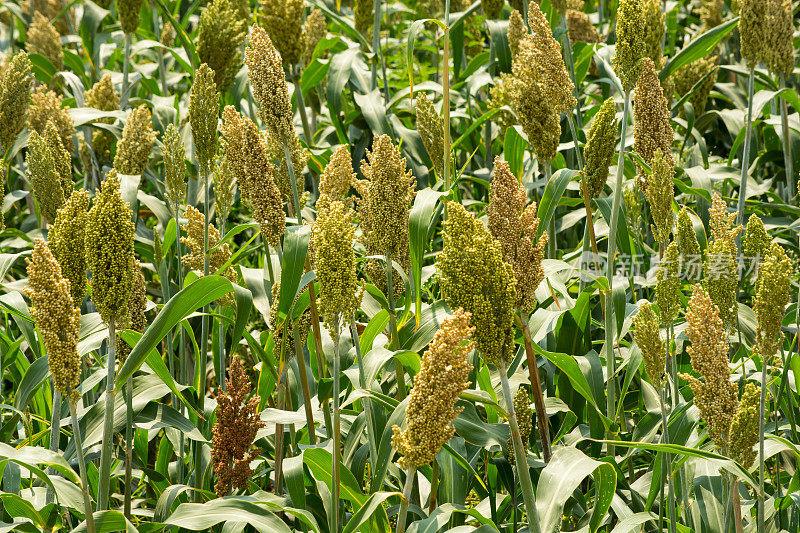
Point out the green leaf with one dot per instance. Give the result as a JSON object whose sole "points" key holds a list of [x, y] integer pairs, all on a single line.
{"points": [[553, 192], [365, 512], [419, 221], [295, 248], [563, 474], [699, 48], [203, 516]]}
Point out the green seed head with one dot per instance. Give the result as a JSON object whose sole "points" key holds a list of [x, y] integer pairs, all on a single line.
{"points": [[194, 238], [659, 194], [443, 376], [314, 30], [652, 130], [711, 13], [756, 241], [653, 347], [514, 224], [779, 51], [15, 96], [43, 39], [492, 8], [103, 96], [45, 107], [600, 149], [472, 274], [524, 415], [338, 178], [55, 316], [174, 155], [109, 250], [430, 126], [283, 21], [744, 428], [128, 11], [686, 237], [138, 305], [138, 137], [362, 14], [654, 30], [668, 286], [772, 296], [581, 29], [630, 47], [753, 29], [68, 241], [219, 41], [44, 162], [688, 76], [516, 31], [203, 116]]}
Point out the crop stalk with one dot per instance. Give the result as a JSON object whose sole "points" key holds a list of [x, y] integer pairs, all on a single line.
{"points": [[551, 225], [336, 431], [611, 394], [787, 145], [108, 425], [666, 468], [411, 473], [301, 106], [536, 388], [301, 364], [367, 402], [128, 447], [520, 454], [761, 470], [55, 431], [446, 96], [87, 500], [747, 141], [576, 93], [125, 72], [394, 342]]}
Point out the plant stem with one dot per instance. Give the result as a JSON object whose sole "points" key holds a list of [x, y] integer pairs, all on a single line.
{"points": [[787, 146], [761, 470], [434, 486], [571, 68], [336, 431], [394, 342], [551, 226], [536, 388], [87, 501], [223, 364], [746, 150], [411, 473], [279, 430], [737, 505], [162, 69], [301, 364], [108, 425], [611, 394], [520, 455], [666, 470], [362, 382], [376, 42], [205, 328], [128, 447], [301, 106], [295, 189], [125, 71], [446, 95], [55, 431], [182, 359]]}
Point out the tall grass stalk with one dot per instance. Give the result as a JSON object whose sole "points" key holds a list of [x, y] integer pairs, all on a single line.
{"points": [[746, 150], [376, 42], [446, 95], [55, 431], [567, 45], [87, 500], [411, 473], [301, 107], [126, 67], [787, 145], [223, 359], [520, 454], [760, 520], [667, 462], [301, 364], [394, 342], [367, 402], [128, 391], [551, 225], [536, 388], [108, 423], [337, 435], [611, 393]]}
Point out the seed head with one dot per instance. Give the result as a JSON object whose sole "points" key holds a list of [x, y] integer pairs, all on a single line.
{"points": [[174, 155], [756, 241], [335, 263], [581, 29], [721, 222], [314, 30], [524, 415], [235, 428], [283, 20], [654, 30], [501, 100], [219, 41], [772, 295], [472, 274], [49, 177], [158, 251], [362, 14], [220, 254], [721, 278], [283, 348], [128, 11], [744, 428], [668, 286], [779, 51], [492, 8], [103, 96], [269, 85], [686, 237], [223, 186], [516, 31], [538, 118], [337, 178], [631, 46], [689, 75], [167, 34], [652, 131], [386, 194], [648, 338], [56, 317], [754, 30], [67, 241], [45, 107], [659, 195], [443, 376], [299, 157], [430, 126], [711, 14], [53, 10], [138, 305], [514, 226], [15, 96], [109, 250], [43, 39], [203, 116], [600, 148], [714, 395], [138, 137]]}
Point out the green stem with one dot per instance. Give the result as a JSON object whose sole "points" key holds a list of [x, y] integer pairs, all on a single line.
{"points": [[55, 431], [787, 145], [128, 447], [162, 69], [746, 150], [435, 486], [446, 95], [520, 455], [126, 61], [301, 364], [376, 42], [87, 501], [362, 382], [108, 426], [295, 189], [611, 395], [666, 470], [536, 388], [301, 106], [574, 132], [204, 333], [223, 365], [571, 68], [551, 226], [395, 340], [411, 473], [336, 432], [761, 470], [182, 359]]}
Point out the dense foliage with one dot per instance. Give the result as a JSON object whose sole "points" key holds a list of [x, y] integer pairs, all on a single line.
{"points": [[305, 265]]}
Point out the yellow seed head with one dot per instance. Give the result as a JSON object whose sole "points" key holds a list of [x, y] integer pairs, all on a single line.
{"points": [[55, 316], [514, 226], [283, 20], [102, 96], [772, 295], [711, 14], [516, 31], [67, 240], [203, 116], [652, 130], [630, 47], [600, 148], [744, 428], [45, 107], [443, 376], [472, 274], [167, 34], [337, 178], [43, 39], [299, 157], [654, 30], [314, 30], [193, 238], [653, 347], [109, 250], [688, 76], [219, 41], [174, 155], [138, 137], [501, 100], [581, 29], [386, 195], [15, 96]]}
